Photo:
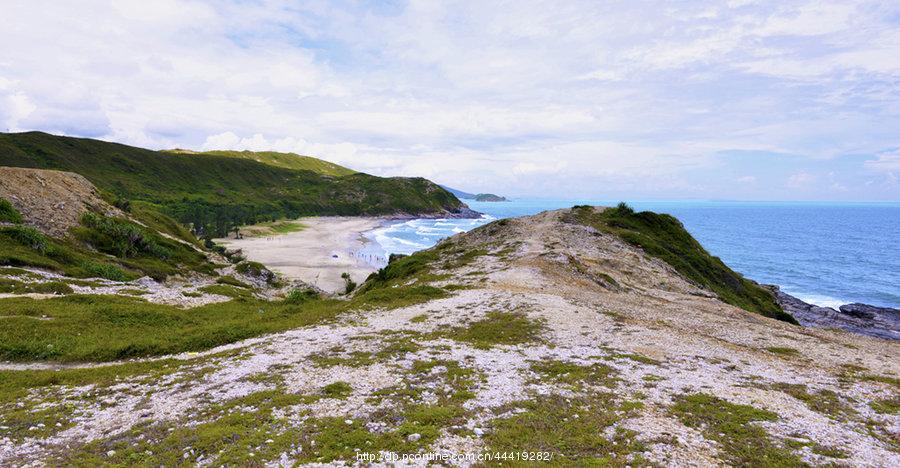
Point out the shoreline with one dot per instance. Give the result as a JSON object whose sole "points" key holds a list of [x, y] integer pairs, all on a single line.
{"points": [[318, 254]]}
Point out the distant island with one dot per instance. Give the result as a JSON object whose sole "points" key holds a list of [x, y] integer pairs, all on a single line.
{"points": [[482, 197], [489, 197]]}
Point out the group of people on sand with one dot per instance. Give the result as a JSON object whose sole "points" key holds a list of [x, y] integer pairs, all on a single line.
{"points": [[370, 258]]}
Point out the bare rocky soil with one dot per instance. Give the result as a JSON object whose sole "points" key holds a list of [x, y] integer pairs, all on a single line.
{"points": [[51, 201], [632, 333]]}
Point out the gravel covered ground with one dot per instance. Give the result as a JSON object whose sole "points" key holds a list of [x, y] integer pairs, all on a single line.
{"points": [[532, 351]]}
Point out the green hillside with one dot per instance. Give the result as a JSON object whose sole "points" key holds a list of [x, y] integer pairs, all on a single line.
{"points": [[273, 158], [216, 192]]}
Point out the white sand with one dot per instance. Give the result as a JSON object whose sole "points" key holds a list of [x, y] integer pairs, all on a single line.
{"points": [[309, 255]]}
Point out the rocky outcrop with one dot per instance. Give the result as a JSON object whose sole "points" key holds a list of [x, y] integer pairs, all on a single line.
{"points": [[881, 322], [51, 201]]}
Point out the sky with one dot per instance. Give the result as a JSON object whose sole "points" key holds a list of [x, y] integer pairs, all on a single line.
{"points": [[742, 100]]}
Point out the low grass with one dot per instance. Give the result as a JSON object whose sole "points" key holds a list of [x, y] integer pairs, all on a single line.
{"points": [[232, 281], [575, 375], [498, 328], [338, 390], [572, 430], [16, 384], [886, 406], [12, 286], [228, 290], [19, 272], [105, 328], [237, 432], [664, 237], [272, 228], [816, 448], [394, 297], [741, 442], [825, 402], [783, 351]]}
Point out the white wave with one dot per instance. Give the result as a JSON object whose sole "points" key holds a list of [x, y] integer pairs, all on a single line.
{"points": [[820, 300]]}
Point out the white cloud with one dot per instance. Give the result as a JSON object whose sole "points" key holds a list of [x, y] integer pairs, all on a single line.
{"points": [[801, 179], [888, 162], [521, 96]]}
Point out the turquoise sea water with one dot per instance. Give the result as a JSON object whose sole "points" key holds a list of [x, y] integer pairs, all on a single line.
{"points": [[825, 253]]}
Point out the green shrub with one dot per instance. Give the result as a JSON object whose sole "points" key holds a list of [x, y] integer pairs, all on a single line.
{"points": [[122, 238], [299, 296], [256, 270], [8, 212], [105, 270], [29, 237], [349, 284]]}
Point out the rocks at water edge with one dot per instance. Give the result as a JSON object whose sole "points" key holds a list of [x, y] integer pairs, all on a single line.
{"points": [[881, 322]]}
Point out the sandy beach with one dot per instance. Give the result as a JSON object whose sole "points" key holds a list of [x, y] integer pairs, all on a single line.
{"points": [[318, 254]]}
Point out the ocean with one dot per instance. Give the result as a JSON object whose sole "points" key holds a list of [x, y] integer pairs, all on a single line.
{"points": [[824, 253]]}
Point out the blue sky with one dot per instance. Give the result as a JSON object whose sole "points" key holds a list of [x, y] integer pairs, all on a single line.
{"points": [[738, 99]]}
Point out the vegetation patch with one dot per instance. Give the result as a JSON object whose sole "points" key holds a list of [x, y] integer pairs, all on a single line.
{"points": [[227, 290], [231, 280], [886, 406], [573, 431], [300, 296], [741, 441], [104, 328], [825, 402], [19, 272], [421, 318], [11, 286], [639, 358], [575, 375], [664, 237], [499, 328], [257, 270], [783, 351], [339, 390], [396, 297], [235, 433]]}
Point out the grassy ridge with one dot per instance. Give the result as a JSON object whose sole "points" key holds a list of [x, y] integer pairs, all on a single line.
{"points": [[664, 237], [285, 160], [215, 192]]}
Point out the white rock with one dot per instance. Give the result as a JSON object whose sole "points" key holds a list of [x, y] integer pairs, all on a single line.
{"points": [[413, 437], [478, 431]]}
